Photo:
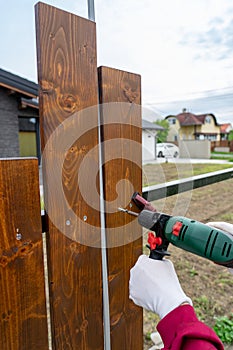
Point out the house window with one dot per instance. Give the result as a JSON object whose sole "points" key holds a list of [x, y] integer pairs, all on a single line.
{"points": [[208, 120], [212, 137], [223, 136], [172, 121], [29, 141]]}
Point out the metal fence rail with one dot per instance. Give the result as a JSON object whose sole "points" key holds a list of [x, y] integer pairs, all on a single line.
{"points": [[167, 189]]}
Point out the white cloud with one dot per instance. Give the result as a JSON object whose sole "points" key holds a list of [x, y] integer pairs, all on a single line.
{"points": [[145, 39]]}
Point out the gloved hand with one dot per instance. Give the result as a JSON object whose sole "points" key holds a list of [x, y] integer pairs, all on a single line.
{"points": [[154, 285], [224, 226]]}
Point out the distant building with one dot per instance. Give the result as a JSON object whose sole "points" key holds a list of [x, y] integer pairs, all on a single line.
{"points": [[189, 126], [225, 130], [19, 116], [149, 132]]}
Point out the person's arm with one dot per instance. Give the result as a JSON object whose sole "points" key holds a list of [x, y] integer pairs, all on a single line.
{"points": [[154, 285], [180, 329]]}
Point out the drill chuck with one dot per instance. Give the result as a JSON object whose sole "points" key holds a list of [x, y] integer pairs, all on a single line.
{"points": [[148, 218]]}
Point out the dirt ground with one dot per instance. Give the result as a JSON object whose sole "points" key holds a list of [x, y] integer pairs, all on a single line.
{"points": [[209, 286]]}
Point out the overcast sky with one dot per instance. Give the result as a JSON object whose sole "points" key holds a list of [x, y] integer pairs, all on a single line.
{"points": [[183, 49]]}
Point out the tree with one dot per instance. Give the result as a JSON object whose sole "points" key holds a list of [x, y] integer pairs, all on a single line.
{"points": [[230, 136], [162, 135]]}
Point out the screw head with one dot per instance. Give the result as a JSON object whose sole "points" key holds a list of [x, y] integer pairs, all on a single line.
{"points": [[18, 236]]}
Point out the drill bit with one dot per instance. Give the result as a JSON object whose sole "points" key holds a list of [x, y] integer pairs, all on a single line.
{"points": [[128, 211]]}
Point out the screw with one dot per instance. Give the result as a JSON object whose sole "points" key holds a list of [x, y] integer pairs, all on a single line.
{"points": [[68, 222], [18, 235], [85, 218]]}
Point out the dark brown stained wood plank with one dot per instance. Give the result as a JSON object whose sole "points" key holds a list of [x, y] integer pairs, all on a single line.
{"points": [[122, 161], [23, 321], [66, 49]]}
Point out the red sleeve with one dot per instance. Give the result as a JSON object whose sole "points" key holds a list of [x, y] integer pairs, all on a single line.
{"points": [[181, 330]]}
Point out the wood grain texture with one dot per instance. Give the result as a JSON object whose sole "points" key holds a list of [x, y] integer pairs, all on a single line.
{"points": [[23, 322], [121, 91], [66, 47]]}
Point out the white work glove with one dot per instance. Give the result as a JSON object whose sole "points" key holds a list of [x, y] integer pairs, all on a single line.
{"points": [[154, 285], [224, 226]]}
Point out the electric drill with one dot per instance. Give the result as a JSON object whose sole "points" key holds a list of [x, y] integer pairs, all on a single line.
{"points": [[187, 234]]}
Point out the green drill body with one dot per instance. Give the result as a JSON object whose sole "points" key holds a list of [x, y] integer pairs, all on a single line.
{"points": [[200, 239], [187, 234]]}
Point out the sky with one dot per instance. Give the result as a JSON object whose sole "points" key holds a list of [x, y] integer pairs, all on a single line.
{"points": [[182, 49]]}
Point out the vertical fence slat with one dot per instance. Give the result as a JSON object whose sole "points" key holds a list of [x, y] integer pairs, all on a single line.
{"points": [[122, 161], [66, 46], [23, 322]]}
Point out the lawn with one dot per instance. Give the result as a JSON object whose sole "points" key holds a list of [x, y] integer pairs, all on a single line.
{"points": [[222, 155], [159, 173]]}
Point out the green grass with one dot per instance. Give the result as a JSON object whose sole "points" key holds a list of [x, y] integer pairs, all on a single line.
{"points": [[228, 217], [204, 305], [207, 168], [227, 153], [154, 174], [222, 156], [224, 328]]}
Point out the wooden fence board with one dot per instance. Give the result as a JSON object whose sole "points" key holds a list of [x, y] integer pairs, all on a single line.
{"points": [[23, 322], [66, 47], [122, 161]]}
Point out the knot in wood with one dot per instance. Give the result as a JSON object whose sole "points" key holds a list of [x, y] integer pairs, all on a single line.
{"points": [[115, 319], [27, 246], [84, 325], [130, 94], [46, 86], [68, 102], [6, 315], [3, 261]]}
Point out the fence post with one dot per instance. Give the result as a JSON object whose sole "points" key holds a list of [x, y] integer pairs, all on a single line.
{"points": [[120, 94], [69, 129], [67, 70], [22, 303]]}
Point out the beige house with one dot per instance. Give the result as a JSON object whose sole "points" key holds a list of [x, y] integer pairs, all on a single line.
{"points": [[189, 126]]}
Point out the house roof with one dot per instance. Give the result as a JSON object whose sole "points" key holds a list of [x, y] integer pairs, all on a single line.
{"points": [[202, 117], [16, 83], [25, 102], [150, 126], [225, 128], [188, 119]]}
